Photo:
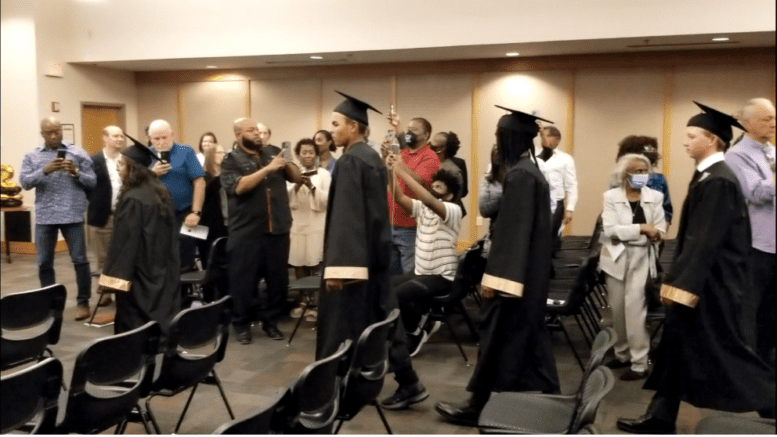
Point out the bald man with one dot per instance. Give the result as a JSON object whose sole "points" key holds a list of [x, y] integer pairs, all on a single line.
{"points": [[183, 175], [60, 173], [103, 197], [254, 175], [752, 161]]}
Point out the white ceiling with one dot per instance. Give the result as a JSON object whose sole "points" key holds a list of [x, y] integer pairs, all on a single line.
{"points": [[613, 45]]}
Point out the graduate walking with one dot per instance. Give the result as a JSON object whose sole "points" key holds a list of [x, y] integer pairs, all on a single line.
{"points": [[703, 358]]}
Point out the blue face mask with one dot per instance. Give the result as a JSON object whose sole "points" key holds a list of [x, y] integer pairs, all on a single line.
{"points": [[637, 181]]}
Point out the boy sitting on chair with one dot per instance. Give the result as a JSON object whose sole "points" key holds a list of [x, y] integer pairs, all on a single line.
{"points": [[438, 215]]}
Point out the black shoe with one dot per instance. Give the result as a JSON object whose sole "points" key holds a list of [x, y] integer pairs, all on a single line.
{"points": [[633, 375], [405, 396], [646, 424], [460, 414], [273, 332], [244, 337], [617, 364]]}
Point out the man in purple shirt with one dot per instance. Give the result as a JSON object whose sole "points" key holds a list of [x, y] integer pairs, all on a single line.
{"points": [[60, 174], [752, 160]]}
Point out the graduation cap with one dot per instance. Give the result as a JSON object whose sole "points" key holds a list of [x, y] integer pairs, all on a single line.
{"points": [[520, 121], [716, 122], [354, 108], [139, 153]]}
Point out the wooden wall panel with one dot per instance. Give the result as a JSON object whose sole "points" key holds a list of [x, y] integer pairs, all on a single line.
{"points": [[288, 107], [211, 107]]}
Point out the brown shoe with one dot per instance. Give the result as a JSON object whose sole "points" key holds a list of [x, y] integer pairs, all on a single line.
{"points": [[82, 313], [106, 301]]}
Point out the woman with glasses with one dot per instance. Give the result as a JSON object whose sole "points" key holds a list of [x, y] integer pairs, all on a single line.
{"points": [[634, 223]]}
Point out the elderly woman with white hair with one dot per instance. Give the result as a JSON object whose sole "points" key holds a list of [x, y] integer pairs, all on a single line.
{"points": [[634, 223]]}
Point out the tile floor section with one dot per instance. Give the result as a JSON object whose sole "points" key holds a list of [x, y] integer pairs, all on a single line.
{"points": [[251, 374]]}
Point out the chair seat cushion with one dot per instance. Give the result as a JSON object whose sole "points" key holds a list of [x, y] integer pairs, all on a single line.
{"points": [[195, 277], [525, 413]]}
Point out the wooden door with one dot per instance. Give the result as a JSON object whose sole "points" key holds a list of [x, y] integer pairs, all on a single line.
{"points": [[94, 118]]}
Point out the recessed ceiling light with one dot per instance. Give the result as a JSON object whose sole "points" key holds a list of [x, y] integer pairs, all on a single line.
{"points": [[316, 57], [722, 38], [512, 54], [211, 66]]}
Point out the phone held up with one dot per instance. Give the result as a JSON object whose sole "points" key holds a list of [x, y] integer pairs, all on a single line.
{"points": [[165, 156], [286, 150], [61, 153]]}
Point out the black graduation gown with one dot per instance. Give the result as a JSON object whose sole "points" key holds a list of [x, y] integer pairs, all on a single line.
{"points": [[143, 262], [357, 245], [703, 358], [516, 352]]}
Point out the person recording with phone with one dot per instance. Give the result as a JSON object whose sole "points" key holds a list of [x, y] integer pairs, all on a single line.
{"points": [[419, 162], [60, 173], [180, 171], [259, 226]]}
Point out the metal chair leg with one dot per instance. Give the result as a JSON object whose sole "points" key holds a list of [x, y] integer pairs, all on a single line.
{"points": [[299, 322], [339, 425], [456, 339], [468, 321], [151, 414], [185, 408], [96, 306], [571, 345], [223, 395], [382, 416]]}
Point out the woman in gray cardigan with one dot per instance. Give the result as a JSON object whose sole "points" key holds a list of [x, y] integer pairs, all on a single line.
{"points": [[634, 223]]}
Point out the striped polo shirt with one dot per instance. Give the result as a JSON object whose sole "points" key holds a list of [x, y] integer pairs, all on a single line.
{"points": [[435, 240]]}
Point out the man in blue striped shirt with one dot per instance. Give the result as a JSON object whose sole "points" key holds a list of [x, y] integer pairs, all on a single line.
{"points": [[60, 174]]}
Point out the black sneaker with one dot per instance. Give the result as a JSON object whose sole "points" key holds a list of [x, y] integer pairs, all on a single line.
{"points": [[617, 364], [633, 375], [405, 396]]}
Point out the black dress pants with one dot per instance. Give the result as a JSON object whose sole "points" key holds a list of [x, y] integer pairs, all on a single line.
{"points": [[759, 304], [186, 245], [251, 259], [557, 219]]}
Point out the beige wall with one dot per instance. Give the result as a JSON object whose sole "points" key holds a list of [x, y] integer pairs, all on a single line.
{"points": [[593, 107]]}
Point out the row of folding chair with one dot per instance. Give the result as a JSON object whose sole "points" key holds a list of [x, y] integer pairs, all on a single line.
{"points": [[528, 413], [112, 374], [335, 388]]}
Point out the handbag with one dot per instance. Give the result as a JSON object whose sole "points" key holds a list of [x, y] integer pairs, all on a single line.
{"points": [[653, 281]]}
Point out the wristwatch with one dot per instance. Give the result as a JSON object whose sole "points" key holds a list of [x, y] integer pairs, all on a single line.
{"points": [[199, 213]]}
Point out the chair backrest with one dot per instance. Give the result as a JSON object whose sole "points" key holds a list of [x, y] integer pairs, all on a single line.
{"points": [[316, 394], [31, 395], [599, 383], [603, 342], [191, 331], [369, 365], [268, 419], [31, 320], [469, 272], [583, 283], [109, 377], [217, 260]]}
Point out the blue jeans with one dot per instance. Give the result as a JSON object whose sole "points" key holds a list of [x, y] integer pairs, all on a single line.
{"points": [[46, 240], [403, 253]]}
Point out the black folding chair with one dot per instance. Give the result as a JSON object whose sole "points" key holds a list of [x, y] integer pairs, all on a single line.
{"points": [[308, 283], [523, 413], [268, 419], [196, 343], [369, 365], [110, 376], [193, 283], [31, 321], [30, 398], [316, 394]]}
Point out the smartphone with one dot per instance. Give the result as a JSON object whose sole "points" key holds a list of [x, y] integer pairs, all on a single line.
{"points": [[395, 148], [165, 156], [61, 153], [286, 150]]}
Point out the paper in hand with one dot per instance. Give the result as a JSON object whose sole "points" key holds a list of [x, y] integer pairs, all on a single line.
{"points": [[199, 231]]}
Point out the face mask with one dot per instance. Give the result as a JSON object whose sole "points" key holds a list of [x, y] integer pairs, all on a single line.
{"points": [[410, 139], [637, 181]]}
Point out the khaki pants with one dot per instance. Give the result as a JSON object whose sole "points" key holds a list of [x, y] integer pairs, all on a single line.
{"points": [[100, 239]]}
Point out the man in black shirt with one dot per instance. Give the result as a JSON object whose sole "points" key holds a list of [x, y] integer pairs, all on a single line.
{"points": [[259, 224]]}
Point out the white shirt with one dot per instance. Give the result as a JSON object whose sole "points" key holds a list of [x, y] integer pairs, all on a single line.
{"points": [[113, 174], [435, 240], [710, 160], [562, 178]]}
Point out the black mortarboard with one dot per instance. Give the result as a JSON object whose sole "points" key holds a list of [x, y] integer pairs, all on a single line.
{"points": [[520, 121], [354, 108], [716, 122], [139, 153]]}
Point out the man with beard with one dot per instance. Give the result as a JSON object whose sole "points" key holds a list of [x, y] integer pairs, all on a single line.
{"points": [[259, 225], [357, 244]]}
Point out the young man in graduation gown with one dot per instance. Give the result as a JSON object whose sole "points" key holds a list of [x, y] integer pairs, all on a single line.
{"points": [[143, 265], [703, 358], [357, 241], [516, 352]]}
